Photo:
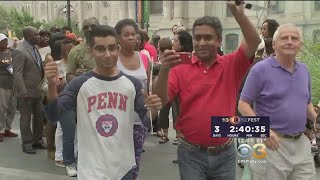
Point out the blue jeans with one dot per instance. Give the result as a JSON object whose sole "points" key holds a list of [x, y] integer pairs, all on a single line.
{"points": [[199, 165], [68, 126], [128, 176]]}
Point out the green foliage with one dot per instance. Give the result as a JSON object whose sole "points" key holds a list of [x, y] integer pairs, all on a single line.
{"points": [[310, 55], [60, 22], [4, 20], [18, 20]]}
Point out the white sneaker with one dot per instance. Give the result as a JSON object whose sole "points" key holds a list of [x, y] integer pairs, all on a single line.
{"points": [[71, 170], [60, 164]]}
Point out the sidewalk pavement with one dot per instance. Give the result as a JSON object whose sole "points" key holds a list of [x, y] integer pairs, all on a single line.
{"points": [[156, 162]]}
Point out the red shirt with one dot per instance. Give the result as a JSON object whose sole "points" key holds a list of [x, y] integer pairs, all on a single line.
{"points": [[152, 51], [204, 92]]}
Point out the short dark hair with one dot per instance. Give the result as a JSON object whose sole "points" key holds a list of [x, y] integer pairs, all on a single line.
{"points": [[56, 36], [155, 39], [185, 41], [44, 32], [55, 43], [101, 31], [140, 32], [272, 26], [211, 21], [66, 28], [174, 26], [94, 20], [125, 22], [164, 44], [145, 36], [27, 30]]}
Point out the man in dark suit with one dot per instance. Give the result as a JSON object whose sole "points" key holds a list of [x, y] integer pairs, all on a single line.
{"points": [[28, 73]]}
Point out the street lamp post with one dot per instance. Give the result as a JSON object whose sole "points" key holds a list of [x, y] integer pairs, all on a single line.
{"points": [[69, 13]]}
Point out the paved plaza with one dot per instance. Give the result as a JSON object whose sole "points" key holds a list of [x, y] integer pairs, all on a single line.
{"points": [[16, 165]]}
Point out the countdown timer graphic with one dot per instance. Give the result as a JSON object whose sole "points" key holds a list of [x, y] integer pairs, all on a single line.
{"points": [[240, 127]]}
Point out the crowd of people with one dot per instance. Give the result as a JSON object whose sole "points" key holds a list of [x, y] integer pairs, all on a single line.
{"points": [[93, 100]]}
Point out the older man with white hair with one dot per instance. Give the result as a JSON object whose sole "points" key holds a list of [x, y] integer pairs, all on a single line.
{"points": [[280, 87]]}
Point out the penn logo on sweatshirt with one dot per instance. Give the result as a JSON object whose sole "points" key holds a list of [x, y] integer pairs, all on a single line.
{"points": [[107, 125]]}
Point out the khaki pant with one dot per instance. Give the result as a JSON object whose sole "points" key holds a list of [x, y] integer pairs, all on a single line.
{"points": [[292, 161], [8, 105]]}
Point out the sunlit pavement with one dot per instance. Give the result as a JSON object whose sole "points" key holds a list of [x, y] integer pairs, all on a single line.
{"points": [[15, 165]]}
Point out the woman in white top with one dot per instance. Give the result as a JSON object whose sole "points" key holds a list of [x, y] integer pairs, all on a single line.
{"points": [[66, 45], [131, 63]]}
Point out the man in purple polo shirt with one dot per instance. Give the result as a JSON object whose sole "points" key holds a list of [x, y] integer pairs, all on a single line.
{"points": [[279, 87]]}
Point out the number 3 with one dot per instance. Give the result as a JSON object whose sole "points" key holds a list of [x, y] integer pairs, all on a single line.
{"points": [[259, 151], [217, 129]]}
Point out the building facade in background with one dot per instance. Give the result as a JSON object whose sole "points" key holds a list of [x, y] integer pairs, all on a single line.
{"points": [[162, 15]]}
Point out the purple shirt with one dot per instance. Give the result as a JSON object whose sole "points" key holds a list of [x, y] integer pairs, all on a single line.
{"points": [[279, 94]]}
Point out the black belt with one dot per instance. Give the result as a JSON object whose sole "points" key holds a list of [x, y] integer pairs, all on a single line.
{"points": [[295, 136], [209, 150]]}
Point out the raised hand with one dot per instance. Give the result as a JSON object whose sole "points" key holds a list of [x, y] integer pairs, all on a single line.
{"points": [[51, 71], [152, 102], [170, 59], [236, 7]]}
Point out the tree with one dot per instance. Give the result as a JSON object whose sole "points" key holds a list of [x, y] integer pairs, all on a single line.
{"points": [[19, 20], [4, 20], [310, 55], [60, 22]]}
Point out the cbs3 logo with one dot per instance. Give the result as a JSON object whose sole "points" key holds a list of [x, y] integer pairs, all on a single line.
{"points": [[258, 151]]}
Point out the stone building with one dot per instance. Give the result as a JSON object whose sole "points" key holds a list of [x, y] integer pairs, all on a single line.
{"points": [[164, 14]]}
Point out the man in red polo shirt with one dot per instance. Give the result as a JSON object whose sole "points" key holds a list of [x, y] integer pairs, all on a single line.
{"points": [[206, 87]]}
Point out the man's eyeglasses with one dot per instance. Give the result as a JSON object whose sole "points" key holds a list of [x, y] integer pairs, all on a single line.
{"points": [[104, 49]]}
